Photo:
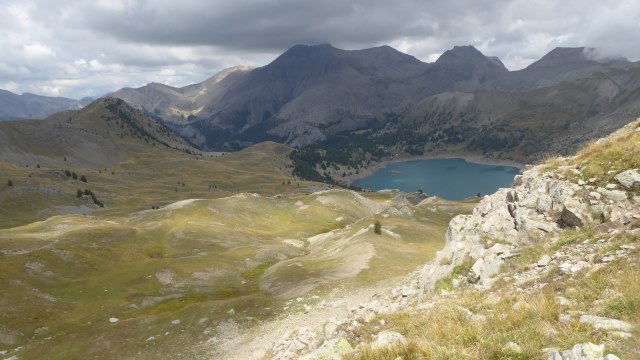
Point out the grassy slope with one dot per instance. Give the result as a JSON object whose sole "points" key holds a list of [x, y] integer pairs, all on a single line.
{"points": [[66, 276], [123, 155]]}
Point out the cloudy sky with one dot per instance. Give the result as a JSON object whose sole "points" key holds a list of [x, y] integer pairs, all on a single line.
{"points": [[86, 48]]}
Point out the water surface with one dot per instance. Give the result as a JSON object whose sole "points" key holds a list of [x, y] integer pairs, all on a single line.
{"points": [[451, 179]]}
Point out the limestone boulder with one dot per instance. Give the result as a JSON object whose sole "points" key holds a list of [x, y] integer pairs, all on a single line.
{"points": [[586, 351], [606, 324], [629, 179], [386, 339], [615, 195]]}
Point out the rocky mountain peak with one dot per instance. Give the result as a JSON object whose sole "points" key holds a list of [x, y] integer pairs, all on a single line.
{"points": [[468, 55], [565, 56], [561, 56], [304, 51]]}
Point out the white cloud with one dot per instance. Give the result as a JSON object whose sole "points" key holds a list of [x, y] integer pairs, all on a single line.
{"points": [[11, 86], [49, 90], [20, 14], [35, 50]]}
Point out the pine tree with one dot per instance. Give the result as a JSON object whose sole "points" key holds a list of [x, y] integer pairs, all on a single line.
{"points": [[377, 227]]}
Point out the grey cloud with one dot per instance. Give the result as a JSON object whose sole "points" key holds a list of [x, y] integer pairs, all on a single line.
{"points": [[137, 41]]}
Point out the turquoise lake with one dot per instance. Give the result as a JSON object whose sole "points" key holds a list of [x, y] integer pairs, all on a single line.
{"points": [[451, 179]]}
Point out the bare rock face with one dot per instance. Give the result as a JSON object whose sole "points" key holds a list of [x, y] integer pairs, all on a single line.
{"points": [[573, 213], [507, 219]]}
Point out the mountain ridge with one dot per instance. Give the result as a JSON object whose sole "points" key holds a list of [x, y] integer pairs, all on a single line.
{"points": [[30, 106], [311, 93]]}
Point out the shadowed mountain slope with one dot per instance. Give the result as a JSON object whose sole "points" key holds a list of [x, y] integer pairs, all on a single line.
{"points": [[31, 106], [310, 94]]}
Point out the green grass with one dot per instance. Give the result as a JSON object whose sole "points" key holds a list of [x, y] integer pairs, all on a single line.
{"points": [[195, 261], [605, 159]]}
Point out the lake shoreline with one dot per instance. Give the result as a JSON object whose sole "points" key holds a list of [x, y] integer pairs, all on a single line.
{"points": [[471, 158]]}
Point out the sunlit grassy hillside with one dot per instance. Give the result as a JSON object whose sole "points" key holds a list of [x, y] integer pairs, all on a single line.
{"points": [[195, 260]]}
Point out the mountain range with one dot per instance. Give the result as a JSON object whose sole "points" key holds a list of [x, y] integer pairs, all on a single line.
{"points": [[323, 96], [311, 94], [31, 106]]}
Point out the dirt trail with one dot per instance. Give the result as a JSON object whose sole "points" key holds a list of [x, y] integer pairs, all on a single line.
{"points": [[232, 342]]}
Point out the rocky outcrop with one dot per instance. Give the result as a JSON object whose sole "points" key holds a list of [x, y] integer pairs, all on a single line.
{"points": [[537, 205], [538, 208], [294, 342]]}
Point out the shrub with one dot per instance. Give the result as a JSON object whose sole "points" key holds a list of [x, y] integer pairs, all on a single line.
{"points": [[79, 193], [9, 183], [156, 251], [83, 178], [377, 227]]}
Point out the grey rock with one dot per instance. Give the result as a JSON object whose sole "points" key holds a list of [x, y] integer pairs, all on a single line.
{"points": [[329, 328], [544, 204], [629, 179], [554, 356], [572, 214], [606, 324], [595, 195], [472, 277], [620, 334], [615, 195], [466, 313], [586, 351], [333, 349], [544, 261], [487, 267], [563, 301], [386, 339]]}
